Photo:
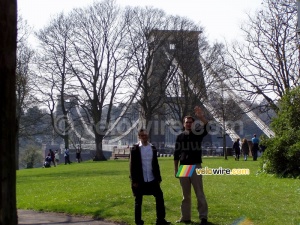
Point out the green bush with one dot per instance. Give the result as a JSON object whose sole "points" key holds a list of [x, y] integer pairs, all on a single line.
{"points": [[282, 156], [31, 157]]}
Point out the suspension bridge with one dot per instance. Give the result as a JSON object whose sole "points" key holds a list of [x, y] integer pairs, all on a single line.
{"points": [[189, 63]]}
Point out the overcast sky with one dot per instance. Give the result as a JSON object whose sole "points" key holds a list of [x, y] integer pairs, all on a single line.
{"points": [[221, 18]]}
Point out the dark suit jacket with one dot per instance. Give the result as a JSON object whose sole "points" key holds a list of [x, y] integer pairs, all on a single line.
{"points": [[136, 170]]}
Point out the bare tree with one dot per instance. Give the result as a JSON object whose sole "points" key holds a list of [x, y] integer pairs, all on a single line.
{"points": [[227, 112], [24, 58], [160, 46], [222, 107], [8, 40], [54, 80], [148, 81], [99, 63], [266, 64], [167, 70], [31, 157]]}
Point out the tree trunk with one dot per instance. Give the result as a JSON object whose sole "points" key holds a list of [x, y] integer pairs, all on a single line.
{"points": [[17, 152], [66, 136], [8, 40], [66, 141], [18, 116], [99, 151], [224, 144]]}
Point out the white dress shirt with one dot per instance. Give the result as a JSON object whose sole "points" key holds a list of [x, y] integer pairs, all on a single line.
{"points": [[147, 156]]}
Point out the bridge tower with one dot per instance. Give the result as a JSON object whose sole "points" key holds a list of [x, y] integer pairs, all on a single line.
{"points": [[173, 53]]}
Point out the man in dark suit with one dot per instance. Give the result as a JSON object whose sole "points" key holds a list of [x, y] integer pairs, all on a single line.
{"points": [[145, 178]]}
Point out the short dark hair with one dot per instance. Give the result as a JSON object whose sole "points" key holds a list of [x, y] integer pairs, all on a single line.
{"points": [[188, 117], [142, 130]]}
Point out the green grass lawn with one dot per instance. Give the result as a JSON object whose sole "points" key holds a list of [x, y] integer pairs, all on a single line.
{"points": [[102, 190]]}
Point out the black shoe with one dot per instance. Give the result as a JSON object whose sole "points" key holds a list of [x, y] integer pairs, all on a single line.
{"points": [[162, 222], [184, 221], [140, 223], [203, 222]]}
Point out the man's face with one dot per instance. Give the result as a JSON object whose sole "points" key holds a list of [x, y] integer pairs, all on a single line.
{"points": [[188, 123], [143, 136]]}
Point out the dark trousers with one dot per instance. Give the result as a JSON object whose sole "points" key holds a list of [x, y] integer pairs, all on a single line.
{"points": [[67, 159], [78, 157], [149, 188], [53, 161], [254, 151], [237, 154]]}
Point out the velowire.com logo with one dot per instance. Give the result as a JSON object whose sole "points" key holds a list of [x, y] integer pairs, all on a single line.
{"points": [[187, 171]]}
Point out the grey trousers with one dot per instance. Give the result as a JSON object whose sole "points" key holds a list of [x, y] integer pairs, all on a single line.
{"points": [[186, 183]]}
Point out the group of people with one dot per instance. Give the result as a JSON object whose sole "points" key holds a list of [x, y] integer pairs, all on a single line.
{"points": [[53, 157], [67, 155], [146, 178], [244, 148]]}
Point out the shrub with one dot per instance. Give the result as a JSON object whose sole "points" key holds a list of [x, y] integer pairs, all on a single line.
{"points": [[31, 157], [282, 155]]}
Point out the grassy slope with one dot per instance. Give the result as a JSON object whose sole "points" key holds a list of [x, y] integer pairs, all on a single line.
{"points": [[102, 190]]}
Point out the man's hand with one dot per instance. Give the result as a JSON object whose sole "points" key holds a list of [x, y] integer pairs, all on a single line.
{"points": [[176, 171], [175, 167], [135, 185], [200, 114]]}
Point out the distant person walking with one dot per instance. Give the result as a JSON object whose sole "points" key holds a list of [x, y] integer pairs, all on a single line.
{"points": [[255, 147], [52, 156], [56, 156], [237, 149], [67, 156], [245, 148], [78, 154]]}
